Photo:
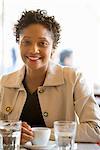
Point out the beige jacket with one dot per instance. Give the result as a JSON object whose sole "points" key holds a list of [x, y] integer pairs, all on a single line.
{"points": [[63, 94]]}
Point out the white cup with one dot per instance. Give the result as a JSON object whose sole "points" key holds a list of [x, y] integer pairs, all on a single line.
{"points": [[41, 135]]}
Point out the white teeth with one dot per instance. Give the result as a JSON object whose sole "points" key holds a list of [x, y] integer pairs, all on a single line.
{"points": [[33, 58]]}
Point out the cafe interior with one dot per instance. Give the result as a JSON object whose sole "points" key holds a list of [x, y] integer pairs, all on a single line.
{"points": [[80, 24]]}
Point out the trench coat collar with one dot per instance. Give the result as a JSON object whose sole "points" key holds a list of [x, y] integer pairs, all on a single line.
{"points": [[54, 77]]}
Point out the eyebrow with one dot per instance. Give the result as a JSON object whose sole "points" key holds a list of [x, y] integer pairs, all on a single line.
{"points": [[41, 38], [26, 37]]}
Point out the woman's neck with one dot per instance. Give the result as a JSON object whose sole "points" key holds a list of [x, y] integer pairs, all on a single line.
{"points": [[35, 78]]}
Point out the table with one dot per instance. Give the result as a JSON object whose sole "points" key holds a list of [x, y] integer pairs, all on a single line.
{"points": [[81, 146], [88, 146]]}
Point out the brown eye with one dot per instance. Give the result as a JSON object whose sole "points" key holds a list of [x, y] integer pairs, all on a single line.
{"points": [[43, 44], [26, 43]]}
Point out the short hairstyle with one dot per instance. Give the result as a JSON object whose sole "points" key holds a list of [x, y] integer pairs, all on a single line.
{"points": [[35, 17]]}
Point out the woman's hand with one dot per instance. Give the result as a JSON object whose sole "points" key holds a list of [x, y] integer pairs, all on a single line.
{"points": [[26, 133]]}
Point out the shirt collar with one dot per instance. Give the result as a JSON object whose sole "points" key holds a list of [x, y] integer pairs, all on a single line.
{"points": [[54, 77]]}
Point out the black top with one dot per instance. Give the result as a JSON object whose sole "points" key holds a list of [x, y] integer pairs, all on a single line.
{"points": [[31, 112]]}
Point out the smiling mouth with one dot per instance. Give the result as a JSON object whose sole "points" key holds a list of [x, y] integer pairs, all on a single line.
{"points": [[33, 58]]}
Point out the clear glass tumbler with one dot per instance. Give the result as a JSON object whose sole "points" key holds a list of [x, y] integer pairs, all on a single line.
{"points": [[10, 132], [65, 132]]}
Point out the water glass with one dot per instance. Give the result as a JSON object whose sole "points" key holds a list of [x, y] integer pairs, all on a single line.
{"points": [[65, 132], [10, 132]]}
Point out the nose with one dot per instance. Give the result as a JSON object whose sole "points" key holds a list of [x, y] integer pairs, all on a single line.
{"points": [[34, 48]]}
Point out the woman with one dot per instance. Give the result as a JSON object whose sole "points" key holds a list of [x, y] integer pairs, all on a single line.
{"points": [[41, 91]]}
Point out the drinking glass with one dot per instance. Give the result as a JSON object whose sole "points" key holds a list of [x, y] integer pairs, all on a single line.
{"points": [[65, 132], [10, 132]]}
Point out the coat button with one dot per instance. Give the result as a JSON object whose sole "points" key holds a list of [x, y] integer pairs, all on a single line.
{"points": [[41, 90], [45, 114], [8, 109]]}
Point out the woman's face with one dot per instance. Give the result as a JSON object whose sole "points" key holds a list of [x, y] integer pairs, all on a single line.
{"points": [[36, 45]]}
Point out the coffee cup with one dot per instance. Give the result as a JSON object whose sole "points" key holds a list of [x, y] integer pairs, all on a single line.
{"points": [[41, 135]]}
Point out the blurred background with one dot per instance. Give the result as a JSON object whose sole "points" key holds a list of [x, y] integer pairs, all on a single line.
{"points": [[80, 23]]}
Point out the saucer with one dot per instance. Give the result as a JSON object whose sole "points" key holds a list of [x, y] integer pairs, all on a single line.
{"points": [[50, 145]]}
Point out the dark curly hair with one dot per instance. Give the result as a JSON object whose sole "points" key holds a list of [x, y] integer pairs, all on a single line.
{"points": [[38, 16]]}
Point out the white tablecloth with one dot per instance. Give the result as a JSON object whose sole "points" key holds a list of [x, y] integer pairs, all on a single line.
{"points": [[82, 146]]}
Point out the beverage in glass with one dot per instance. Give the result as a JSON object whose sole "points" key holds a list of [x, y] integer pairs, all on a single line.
{"points": [[65, 132], [10, 132]]}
